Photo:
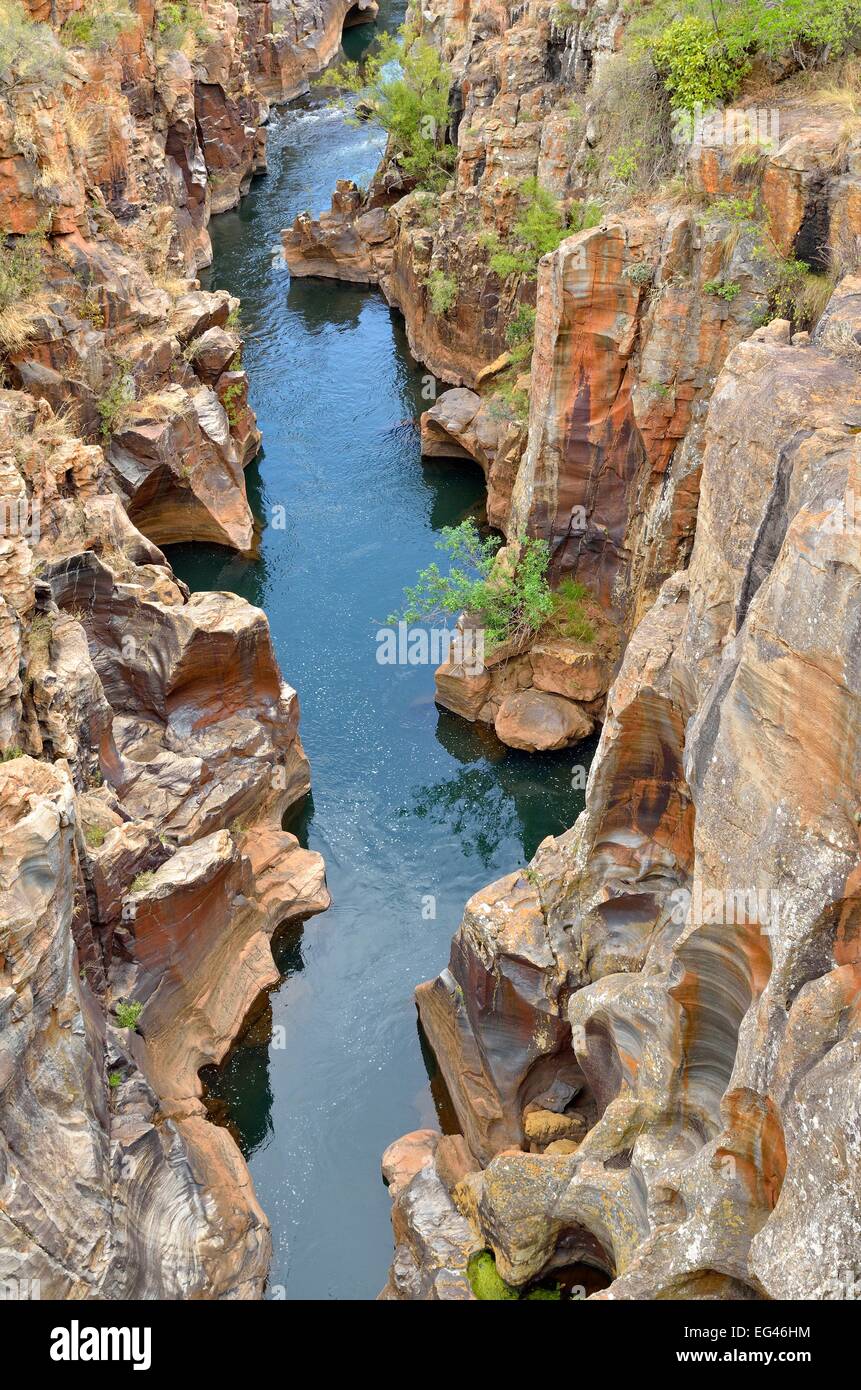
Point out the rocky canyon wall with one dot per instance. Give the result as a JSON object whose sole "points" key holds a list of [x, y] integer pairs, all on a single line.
{"points": [[649, 1034], [592, 440], [149, 745]]}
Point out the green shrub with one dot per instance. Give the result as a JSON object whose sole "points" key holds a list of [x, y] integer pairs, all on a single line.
{"points": [[624, 162], [94, 836], [703, 48], [564, 15], [128, 1014], [539, 229], [143, 881], [520, 332], [634, 120], [404, 85], [119, 394], [722, 289], [510, 600], [510, 403], [114, 1080], [442, 291], [10, 754], [178, 22], [97, 26], [522, 326], [697, 65], [795, 292], [638, 272], [29, 52], [231, 401]]}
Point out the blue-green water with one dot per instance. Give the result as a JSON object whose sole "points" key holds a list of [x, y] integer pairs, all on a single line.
{"points": [[408, 801]]}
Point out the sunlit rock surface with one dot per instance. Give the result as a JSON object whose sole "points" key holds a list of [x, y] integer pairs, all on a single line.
{"points": [[678, 973], [149, 742]]}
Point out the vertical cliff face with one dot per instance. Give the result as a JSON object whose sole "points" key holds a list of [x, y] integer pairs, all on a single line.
{"points": [[592, 441], [648, 1035], [675, 981], [149, 746]]}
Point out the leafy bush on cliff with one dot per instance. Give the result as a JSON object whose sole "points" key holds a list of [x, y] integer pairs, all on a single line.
{"points": [[404, 86], [98, 25], [510, 597], [180, 25], [541, 227], [29, 52], [442, 291], [703, 48]]}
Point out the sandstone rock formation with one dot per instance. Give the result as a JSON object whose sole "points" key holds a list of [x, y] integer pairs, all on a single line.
{"points": [[149, 746], [635, 315], [649, 1034], [675, 974]]}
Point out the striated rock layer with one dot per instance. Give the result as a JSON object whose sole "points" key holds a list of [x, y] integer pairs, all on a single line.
{"points": [[648, 1035], [592, 440], [677, 975], [149, 746]]}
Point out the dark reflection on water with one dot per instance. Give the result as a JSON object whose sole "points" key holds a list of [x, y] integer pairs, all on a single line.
{"points": [[408, 801]]}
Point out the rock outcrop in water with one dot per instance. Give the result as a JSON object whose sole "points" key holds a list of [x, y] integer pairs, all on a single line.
{"points": [[649, 1035], [595, 444], [149, 746]]}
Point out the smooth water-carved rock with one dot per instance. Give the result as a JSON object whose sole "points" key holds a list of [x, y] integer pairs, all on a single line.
{"points": [[668, 976]]}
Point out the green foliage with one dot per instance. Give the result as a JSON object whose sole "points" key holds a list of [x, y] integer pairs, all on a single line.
{"points": [[179, 22], [114, 1080], [795, 292], [510, 403], [509, 599], [404, 85], [624, 162], [722, 289], [634, 121], [230, 401], [143, 881], [10, 754], [697, 65], [442, 291], [520, 332], [564, 15], [703, 48], [128, 1014], [119, 394], [29, 52], [94, 836], [639, 272], [539, 229], [97, 26], [738, 210], [568, 618]]}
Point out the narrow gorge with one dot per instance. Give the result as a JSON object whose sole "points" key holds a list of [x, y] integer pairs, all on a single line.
{"points": [[529, 284]]}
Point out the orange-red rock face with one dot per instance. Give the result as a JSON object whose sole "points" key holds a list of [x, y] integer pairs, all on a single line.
{"points": [[150, 745], [673, 970], [664, 978]]}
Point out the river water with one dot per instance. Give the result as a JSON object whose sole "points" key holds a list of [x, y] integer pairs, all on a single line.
{"points": [[409, 803]]}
